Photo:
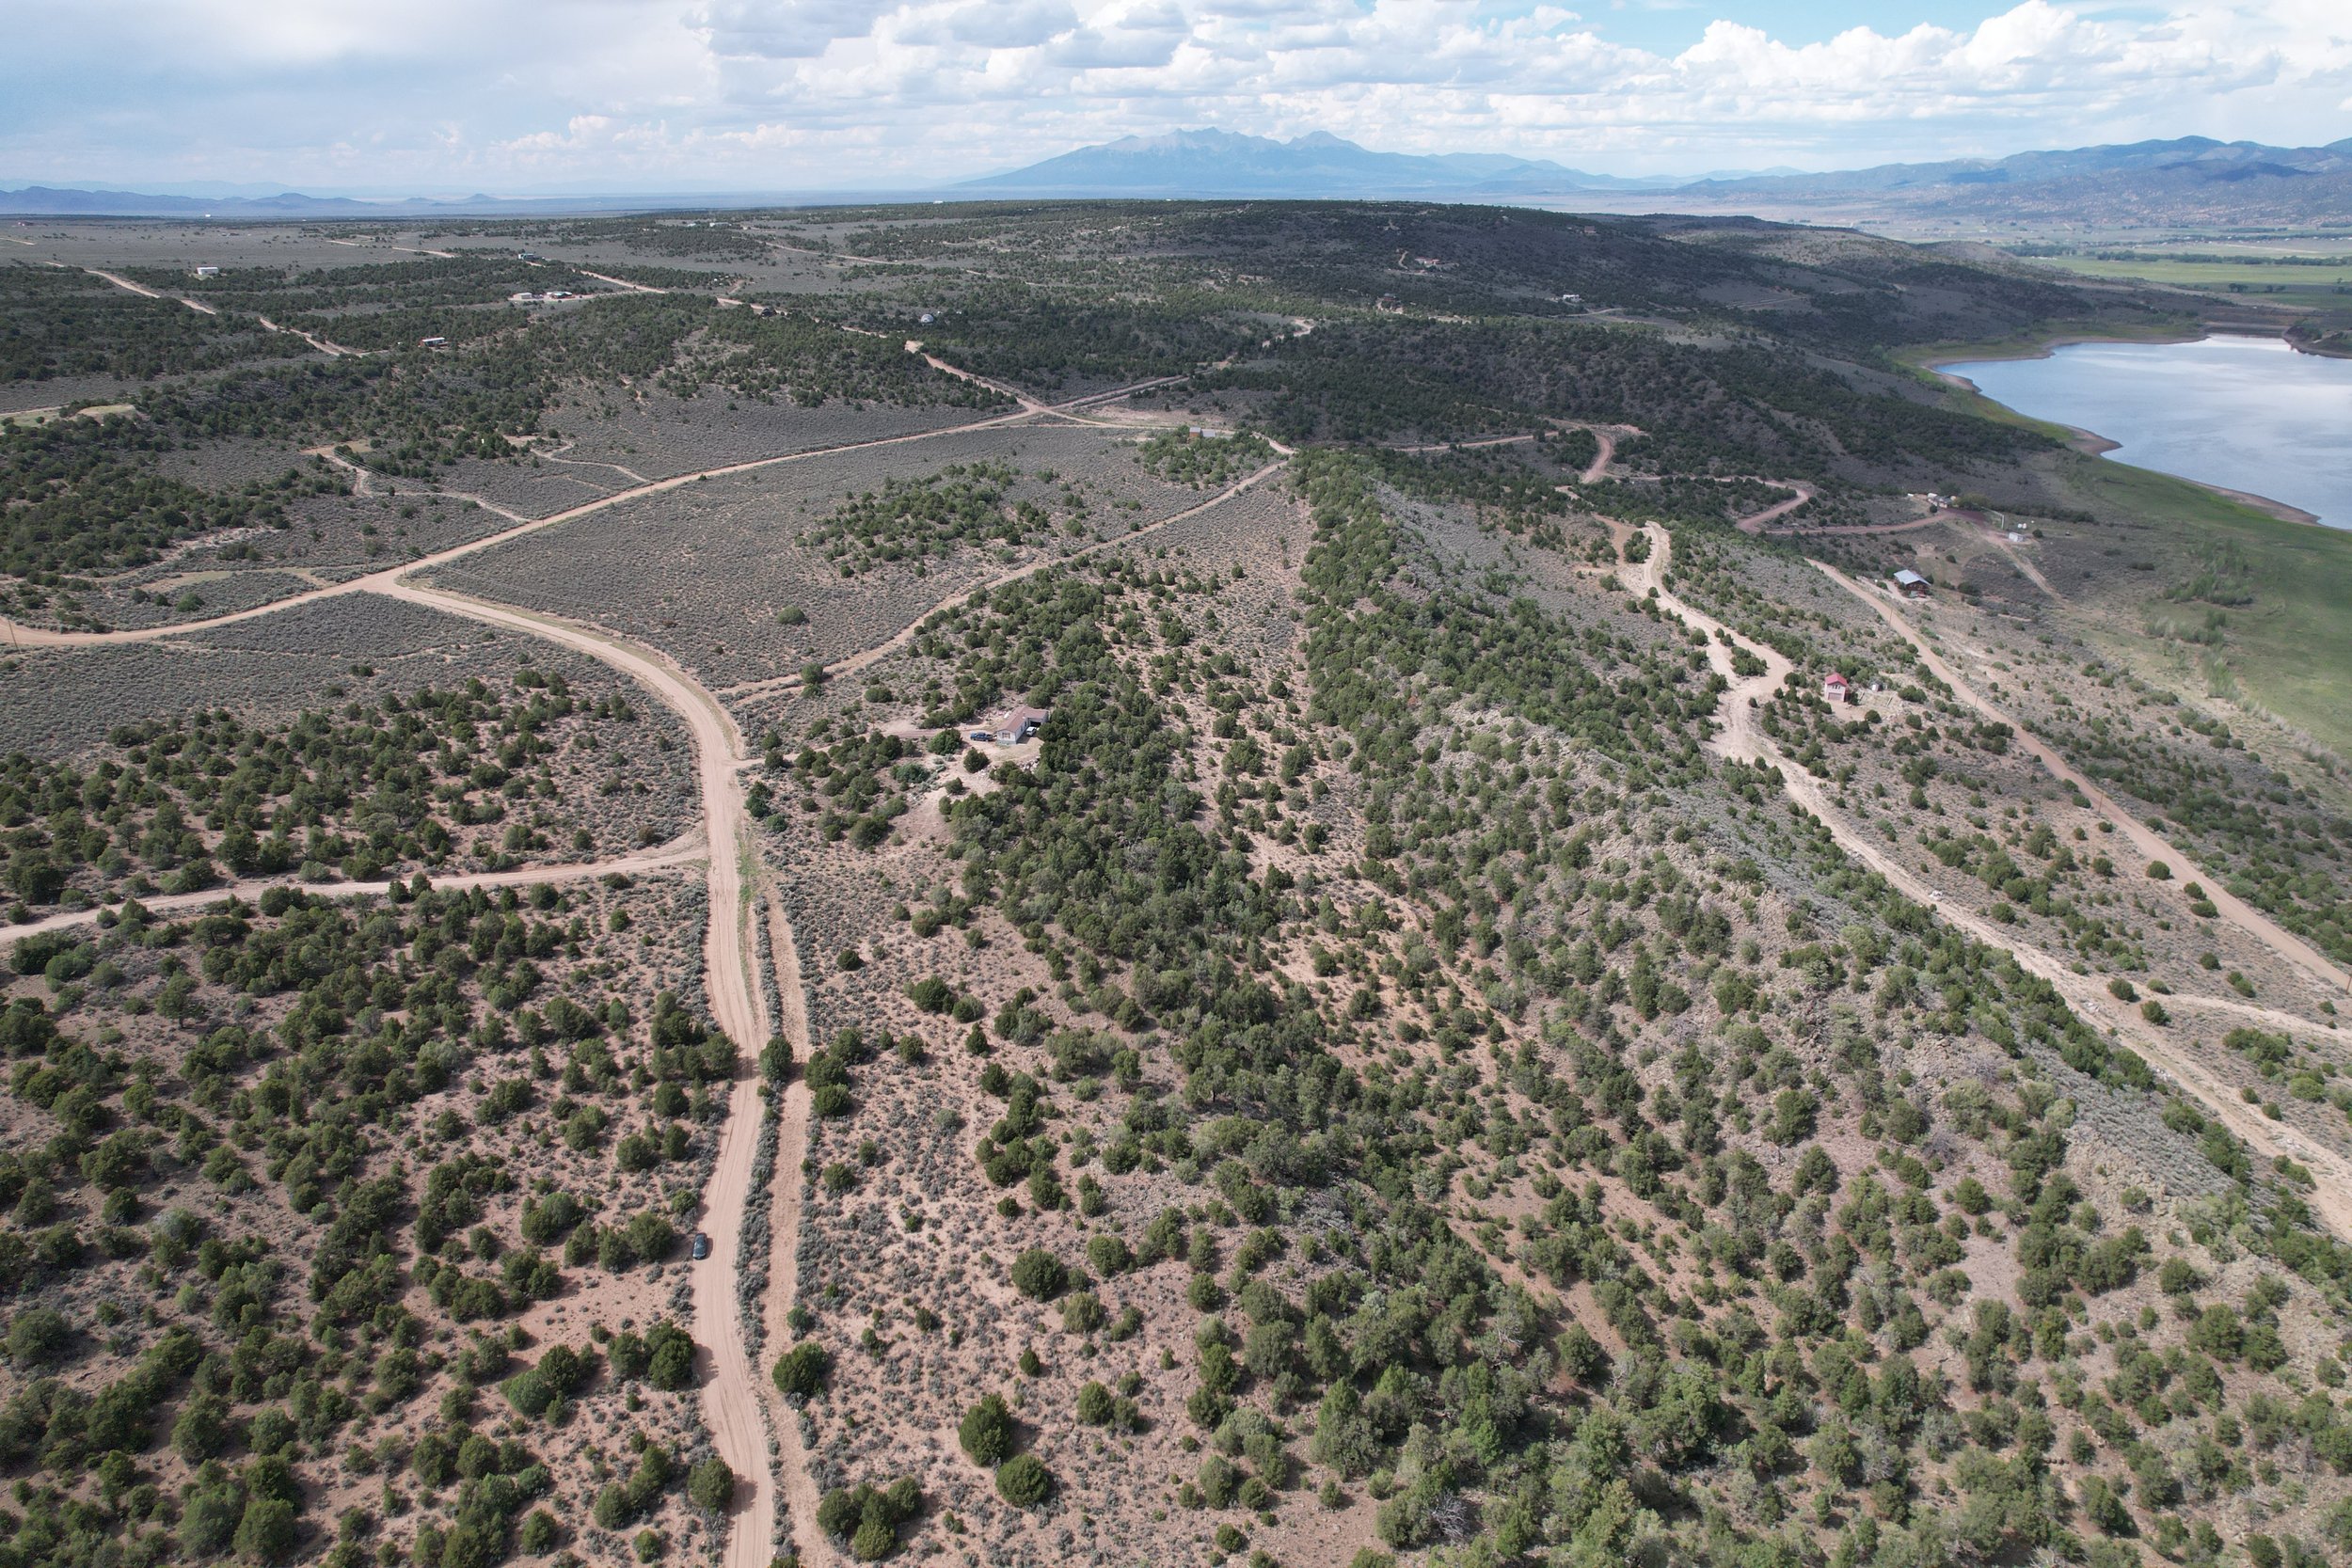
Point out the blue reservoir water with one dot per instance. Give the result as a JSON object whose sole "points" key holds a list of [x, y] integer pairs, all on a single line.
{"points": [[2244, 413]]}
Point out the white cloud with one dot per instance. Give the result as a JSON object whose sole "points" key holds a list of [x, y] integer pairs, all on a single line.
{"points": [[1019, 26], [779, 94], [787, 29]]}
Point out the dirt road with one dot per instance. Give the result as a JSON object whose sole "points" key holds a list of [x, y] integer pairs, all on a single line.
{"points": [[1756, 522], [621, 283], [333, 351], [852, 664], [2332, 1196], [198, 306], [784, 1229], [2145, 841], [381, 581], [679, 852], [731, 1402], [1601, 459]]}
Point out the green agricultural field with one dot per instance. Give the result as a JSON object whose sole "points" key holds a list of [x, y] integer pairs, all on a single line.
{"points": [[2289, 649], [2295, 274]]}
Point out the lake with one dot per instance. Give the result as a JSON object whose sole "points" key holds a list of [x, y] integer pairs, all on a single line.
{"points": [[2243, 413]]}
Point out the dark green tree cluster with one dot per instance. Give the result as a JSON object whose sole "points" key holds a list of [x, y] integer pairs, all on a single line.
{"points": [[60, 321], [182, 804], [84, 496], [1203, 462]]}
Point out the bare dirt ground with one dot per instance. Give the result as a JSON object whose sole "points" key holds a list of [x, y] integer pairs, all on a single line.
{"points": [[2332, 1195], [731, 1402], [2147, 842]]}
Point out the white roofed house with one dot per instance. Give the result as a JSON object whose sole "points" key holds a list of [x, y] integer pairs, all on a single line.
{"points": [[1911, 584]]}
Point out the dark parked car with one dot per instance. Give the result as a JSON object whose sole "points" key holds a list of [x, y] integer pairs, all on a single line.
{"points": [[702, 1245]]}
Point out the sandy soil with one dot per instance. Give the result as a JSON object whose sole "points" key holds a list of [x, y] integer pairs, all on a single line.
{"points": [[679, 852], [2235, 911], [731, 1407], [859, 661], [2331, 1198]]}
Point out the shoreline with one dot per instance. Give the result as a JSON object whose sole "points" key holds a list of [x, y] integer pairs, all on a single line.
{"points": [[2089, 442]]}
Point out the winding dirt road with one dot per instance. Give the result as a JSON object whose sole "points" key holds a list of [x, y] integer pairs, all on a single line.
{"points": [[382, 580], [2144, 840], [731, 1403], [1743, 739], [1756, 522], [740, 1407]]}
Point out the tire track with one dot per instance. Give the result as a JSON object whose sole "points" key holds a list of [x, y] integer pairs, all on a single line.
{"points": [[2235, 911], [2331, 1194], [682, 850], [849, 664]]}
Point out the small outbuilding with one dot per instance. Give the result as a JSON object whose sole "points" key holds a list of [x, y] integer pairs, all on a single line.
{"points": [[1910, 585], [207, 271]]}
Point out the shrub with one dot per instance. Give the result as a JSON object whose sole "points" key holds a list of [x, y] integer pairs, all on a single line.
{"points": [[986, 1431], [869, 1517], [670, 1362], [1023, 1480], [538, 1535], [711, 1485], [39, 1337], [1083, 1313], [1039, 1274], [800, 1371], [266, 1533], [2159, 872], [1096, 1404]]}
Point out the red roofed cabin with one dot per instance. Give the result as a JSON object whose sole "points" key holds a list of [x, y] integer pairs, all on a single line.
{"points": [[1837, 689]]}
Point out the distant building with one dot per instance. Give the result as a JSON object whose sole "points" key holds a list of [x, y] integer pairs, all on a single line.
{"points": [[2018, 536], [526, 297], [558, 293], [927, 318], [1911, 584], [529, 256], [432, 342], [1837, 689], [208, 272]]}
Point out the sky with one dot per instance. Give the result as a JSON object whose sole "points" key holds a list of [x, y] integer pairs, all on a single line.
{"points": [[518, 97]]}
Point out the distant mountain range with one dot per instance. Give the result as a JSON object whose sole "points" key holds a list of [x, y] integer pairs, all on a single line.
{"points": [[2192, 181], [2189, 181], [1220, 164], [55, 201]]}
